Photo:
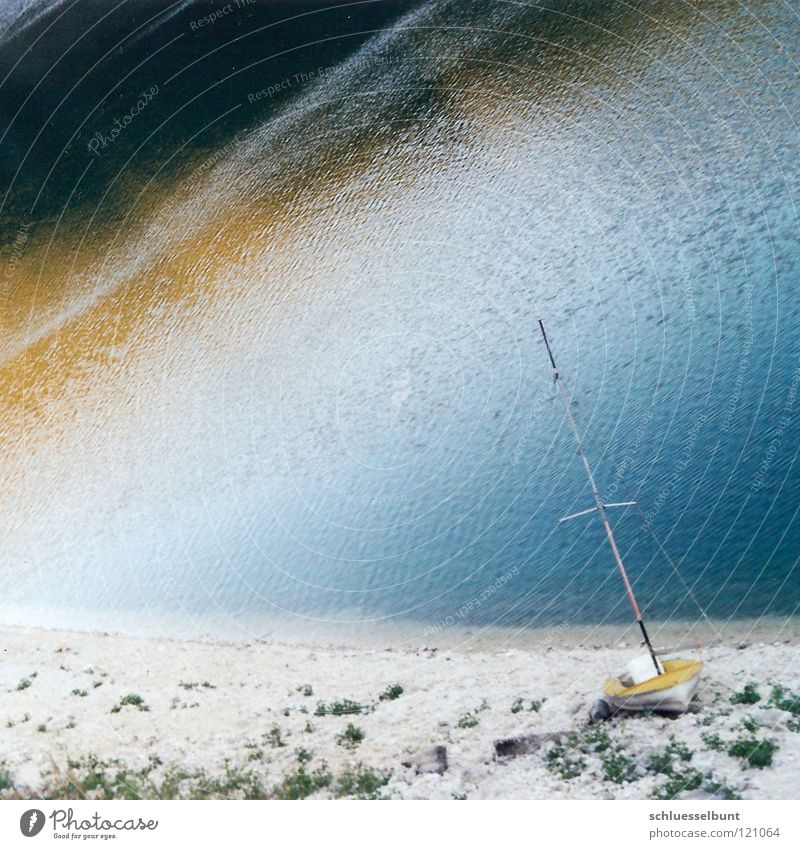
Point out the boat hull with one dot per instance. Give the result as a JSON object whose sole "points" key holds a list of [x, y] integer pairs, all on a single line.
{"points": [[671, 692]]}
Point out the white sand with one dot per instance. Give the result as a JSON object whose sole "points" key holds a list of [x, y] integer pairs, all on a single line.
{"points": [[255, 685]]}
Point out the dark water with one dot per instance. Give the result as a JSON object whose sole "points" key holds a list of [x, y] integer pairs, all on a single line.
{"points": [[288, 364]]}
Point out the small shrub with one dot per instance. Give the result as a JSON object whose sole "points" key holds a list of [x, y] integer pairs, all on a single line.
{"points": [[351, 738], [135, 700], [757, 753], [41, 728], [618, 767], [748, 696], [306, 690], [303, 755], [275, 737], [81, 693], [565, 761], [468, 720], [392, 692], [713, 742], [301, 784], [340, 708], [361, 783], [785, 700], [24, 684]]}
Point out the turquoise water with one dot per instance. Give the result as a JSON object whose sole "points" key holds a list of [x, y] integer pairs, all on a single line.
{"points": [[355, 419]]}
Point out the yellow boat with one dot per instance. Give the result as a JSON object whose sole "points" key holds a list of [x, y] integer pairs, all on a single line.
{"points": [[669, 692], [671, 689]]}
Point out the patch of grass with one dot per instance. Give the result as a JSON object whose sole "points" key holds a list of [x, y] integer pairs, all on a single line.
{"points": [[309, 729], [362, 782], [518, 705], [340, 708], [468, 720], [301, 784], [566, 760], [392, 692], [675, 752], [135, 700], [673, 764], [748, 696], [303, 756], [71, 723], [306, 690], [275, 737], [24, 684], [678, 782], [41, 728], [757, 753], [618, 767], [783, 699], [6, 781], [351, 738], [713, 742], [79, 692]]}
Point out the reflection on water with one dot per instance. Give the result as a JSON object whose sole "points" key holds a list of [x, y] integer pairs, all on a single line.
{"points": [[299, 376]]}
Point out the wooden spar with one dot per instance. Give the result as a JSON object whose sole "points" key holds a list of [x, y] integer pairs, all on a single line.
{"points": [[599, 506]]}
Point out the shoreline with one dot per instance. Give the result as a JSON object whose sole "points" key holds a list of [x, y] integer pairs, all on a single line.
{"points": [[275, 715], [408, 634]]}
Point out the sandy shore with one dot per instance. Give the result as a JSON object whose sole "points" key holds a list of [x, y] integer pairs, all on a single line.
{"points": [[235, 708]]}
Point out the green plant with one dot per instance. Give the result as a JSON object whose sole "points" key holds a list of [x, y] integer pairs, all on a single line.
{"points": [[81, 693], [783, 699], [24, 684], [468, 720], [303, 756], [618, 767], [757, 753], [301, 784], [351, 738], [392, 692], [135, 700], [713, 742], [361, 783], [6, 781], [566, 761], [679, 782], [748, 696], [41, 728], [275, 737], [675, 751], [340, 708], [306, 690]]}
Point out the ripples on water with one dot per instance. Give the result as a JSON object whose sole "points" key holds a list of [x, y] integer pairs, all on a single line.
{"points": [[291, 369]]}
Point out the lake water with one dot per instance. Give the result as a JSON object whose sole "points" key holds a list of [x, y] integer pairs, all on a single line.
{"points": [[294, 374]]}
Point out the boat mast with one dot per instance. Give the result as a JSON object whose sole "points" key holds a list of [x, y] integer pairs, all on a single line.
{"points": [[600, 506]]}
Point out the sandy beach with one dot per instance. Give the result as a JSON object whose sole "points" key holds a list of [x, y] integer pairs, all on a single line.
{"points": [[101, 714]]}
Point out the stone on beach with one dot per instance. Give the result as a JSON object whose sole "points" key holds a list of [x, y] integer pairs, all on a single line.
{"points": [[525, 744], [430, 760]]}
